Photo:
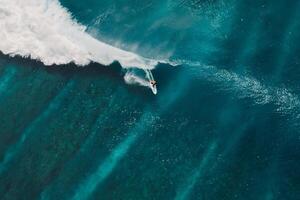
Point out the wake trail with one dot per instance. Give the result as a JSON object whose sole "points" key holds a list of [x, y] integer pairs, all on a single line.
{"points": [[46, 31], [133, 79], [245, 86]]}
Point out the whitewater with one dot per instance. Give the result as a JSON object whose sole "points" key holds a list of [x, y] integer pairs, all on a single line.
{"points": [[45, 31], [224, 124]]}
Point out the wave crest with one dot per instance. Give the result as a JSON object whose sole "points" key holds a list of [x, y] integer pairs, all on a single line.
{"points": [[44, 30]]}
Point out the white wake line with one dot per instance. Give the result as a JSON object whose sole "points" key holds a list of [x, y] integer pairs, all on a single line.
{"points": [[45, 31], [244, 86]]}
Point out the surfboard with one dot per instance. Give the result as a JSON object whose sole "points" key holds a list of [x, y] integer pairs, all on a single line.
{"points": [[150, 78]]}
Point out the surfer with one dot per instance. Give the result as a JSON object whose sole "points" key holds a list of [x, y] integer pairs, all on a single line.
{"points": [[153, 83]]}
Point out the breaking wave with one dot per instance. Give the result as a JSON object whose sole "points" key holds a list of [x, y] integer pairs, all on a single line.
{"points": [[45, 31]]}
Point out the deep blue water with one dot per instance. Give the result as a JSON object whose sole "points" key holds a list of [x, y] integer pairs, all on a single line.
{"points": [[224, 125]]}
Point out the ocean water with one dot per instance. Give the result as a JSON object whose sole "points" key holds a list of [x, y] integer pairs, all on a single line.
{"points": [[224, 124]]}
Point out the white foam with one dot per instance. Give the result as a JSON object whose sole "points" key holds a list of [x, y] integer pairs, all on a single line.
{"points": [[44, 30], [133, 79], [246, 86]]}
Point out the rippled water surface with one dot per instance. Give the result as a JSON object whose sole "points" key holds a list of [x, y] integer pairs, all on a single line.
{"points": [[224, 124]]}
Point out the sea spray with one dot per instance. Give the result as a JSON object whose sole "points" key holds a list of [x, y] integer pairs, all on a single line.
{"points": [[45, 31]]}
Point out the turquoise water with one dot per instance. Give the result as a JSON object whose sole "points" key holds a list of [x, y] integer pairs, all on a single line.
{"points": [[224, 124]]}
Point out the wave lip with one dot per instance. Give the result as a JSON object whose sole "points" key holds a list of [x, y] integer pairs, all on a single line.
{"points": [[45, 31]]}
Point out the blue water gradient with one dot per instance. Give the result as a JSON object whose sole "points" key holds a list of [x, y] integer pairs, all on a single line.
{"points": [[224, 124]]}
